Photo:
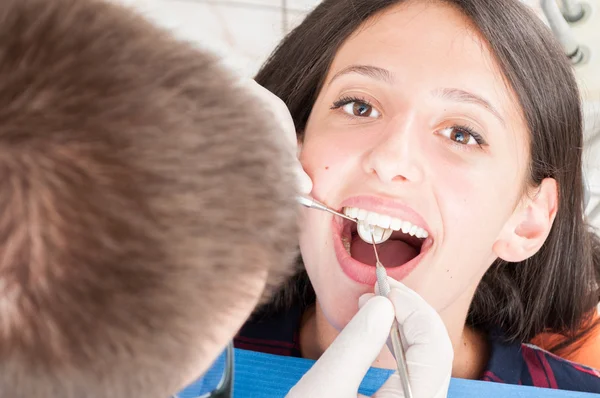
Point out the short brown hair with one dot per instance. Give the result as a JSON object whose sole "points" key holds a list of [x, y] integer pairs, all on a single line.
{"points": [[140, 188]]}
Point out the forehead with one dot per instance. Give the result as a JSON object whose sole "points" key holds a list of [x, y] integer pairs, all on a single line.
{"points": [[428, 46]]}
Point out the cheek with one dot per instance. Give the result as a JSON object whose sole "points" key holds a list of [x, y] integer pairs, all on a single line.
{"points": [[474, 205], [331, 159], [470, 193], [320, 149]]}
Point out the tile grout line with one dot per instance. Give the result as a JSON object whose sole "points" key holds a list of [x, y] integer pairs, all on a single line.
{"points": [[284, 17]]}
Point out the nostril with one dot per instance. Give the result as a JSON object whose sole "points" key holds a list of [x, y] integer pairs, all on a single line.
{"points": [[390, 173], [399, 179]]}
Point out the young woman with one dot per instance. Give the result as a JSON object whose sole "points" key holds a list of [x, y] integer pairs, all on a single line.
{"points": [[457, 124]]}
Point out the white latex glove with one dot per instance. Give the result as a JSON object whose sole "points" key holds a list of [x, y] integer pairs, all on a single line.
{"points": [[282, 115], [429, 354], [342, 367]]}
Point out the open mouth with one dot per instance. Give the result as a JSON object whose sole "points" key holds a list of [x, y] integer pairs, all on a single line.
{"points": [[400, 245], [398, 250]]}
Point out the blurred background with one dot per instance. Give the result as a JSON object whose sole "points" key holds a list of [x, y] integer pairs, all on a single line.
{"points": [[245, 32]]}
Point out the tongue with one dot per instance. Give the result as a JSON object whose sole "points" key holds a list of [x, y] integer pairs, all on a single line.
{"points": [[392, 253]]}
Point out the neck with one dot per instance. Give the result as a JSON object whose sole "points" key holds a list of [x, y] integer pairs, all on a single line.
{"points": [[471, 349]]}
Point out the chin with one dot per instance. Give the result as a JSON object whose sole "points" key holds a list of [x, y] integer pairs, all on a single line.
{"points": [[341, 309]]}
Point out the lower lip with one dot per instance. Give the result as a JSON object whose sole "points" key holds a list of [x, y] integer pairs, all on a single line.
{"points": [[364, 273]]}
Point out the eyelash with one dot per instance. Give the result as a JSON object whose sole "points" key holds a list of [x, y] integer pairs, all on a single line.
{"points": [[461, 127], [347, 100]]}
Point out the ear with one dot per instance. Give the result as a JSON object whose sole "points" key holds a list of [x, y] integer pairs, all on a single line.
{"points": [[528, 227]]}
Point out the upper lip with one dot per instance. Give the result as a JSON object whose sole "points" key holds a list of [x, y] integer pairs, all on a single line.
{"points": [[390, 207]]}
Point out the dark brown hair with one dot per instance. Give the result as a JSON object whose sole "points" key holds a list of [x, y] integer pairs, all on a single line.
{"points": [[555, 289], [137, 210]]}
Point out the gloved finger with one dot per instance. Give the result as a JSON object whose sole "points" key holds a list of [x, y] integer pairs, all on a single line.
{"points": [[283, 117], [414, 314], [394, 284], [376, 288], [362, 300], [392, 387], [340, 370], [277, 109], [305, 184], [429, 352]]}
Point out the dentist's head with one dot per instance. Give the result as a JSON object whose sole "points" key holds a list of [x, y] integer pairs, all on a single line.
{"points": [[147, 204]]}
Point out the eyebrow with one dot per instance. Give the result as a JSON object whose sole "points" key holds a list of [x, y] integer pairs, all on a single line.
{"points": [[373, 72], [451, 94], [457, 95]]}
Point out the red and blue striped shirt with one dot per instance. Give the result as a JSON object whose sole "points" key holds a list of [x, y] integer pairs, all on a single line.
{"points": [[511, 363]]}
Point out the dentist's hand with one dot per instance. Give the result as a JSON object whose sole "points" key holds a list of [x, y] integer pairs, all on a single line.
{"points": [[429, 352], [342, 367], [282, 115], [429, 355]]}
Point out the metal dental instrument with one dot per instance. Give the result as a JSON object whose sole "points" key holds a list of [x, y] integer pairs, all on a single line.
{"points": [[314, 204], [396, 337]]}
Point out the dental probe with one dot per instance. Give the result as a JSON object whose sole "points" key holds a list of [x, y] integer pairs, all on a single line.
{"points": [[311, 203], [396, 337]]}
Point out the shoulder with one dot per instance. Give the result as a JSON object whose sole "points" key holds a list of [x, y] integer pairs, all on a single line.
{"points": [[585, 349], [548, 370], [272, 333], [530, 365]]}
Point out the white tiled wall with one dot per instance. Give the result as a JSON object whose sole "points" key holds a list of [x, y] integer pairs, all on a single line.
{"points": [[246, 31]]}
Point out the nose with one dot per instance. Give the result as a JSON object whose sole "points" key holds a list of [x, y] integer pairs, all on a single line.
{"points": [[396, 155]]}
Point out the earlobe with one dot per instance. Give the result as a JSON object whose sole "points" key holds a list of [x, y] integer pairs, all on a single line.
{"points": [[527, 229]]}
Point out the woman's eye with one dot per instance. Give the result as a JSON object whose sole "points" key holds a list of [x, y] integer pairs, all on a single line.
{"points": [[462, 135], [360, 109]]}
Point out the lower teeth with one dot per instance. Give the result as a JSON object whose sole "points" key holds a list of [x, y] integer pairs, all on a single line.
{"points": [[372, 233]]}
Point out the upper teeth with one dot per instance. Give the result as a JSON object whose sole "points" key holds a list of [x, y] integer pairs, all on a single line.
{"points": [[385, 222]]}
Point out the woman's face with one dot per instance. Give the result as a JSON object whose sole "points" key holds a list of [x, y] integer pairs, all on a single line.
{"points": [[415, 123]]}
